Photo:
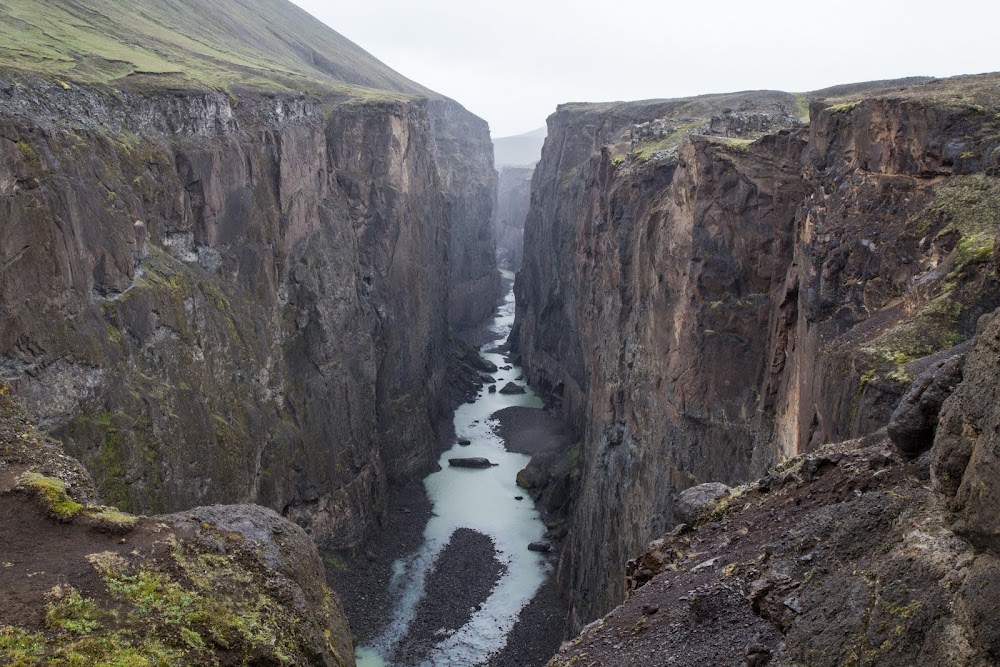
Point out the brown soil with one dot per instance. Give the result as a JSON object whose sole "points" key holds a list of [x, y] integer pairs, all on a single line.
{"points": [[38, 553]]}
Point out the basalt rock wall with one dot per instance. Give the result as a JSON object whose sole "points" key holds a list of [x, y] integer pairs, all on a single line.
{"points": [[214, 299], [462, 146], [513, 201], [714, 285]]}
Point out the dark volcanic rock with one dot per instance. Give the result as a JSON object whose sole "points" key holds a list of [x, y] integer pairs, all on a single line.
{"points": [[463, 442], [204, 252], [58, 543], [692, 503], [704, 305], [511, 388], [492, 389], [464, 151], [471, 462], [765, 583], [966, 453], [915, 419], [541, 546]]}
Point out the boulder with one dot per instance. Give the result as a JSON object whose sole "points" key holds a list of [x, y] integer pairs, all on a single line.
{"points": [[493, 389], [692, 503], [540, 546], [511, 388], [464, 442], [483, 365], [472, 462], [531, 477], [913, 423], [487, 379]]}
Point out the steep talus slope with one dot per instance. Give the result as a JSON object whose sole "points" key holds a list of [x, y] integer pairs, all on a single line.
{"points": [[711, 286], [513, 201], [85, 584]]}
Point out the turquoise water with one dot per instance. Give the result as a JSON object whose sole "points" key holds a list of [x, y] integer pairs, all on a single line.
{"points": [[482, 500]]}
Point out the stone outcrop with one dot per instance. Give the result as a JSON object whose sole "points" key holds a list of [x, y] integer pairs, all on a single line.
{"points": [[914, 421], [513, 201], [87, 584], [213, 302], [964, 456], [711, 286], [464, 151]]}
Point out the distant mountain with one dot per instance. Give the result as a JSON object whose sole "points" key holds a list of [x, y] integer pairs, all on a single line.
{"points": [[520, 149], [218, 44]]}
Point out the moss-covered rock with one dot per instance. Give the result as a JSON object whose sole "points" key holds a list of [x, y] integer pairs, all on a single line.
{"points": [[92, 585]]}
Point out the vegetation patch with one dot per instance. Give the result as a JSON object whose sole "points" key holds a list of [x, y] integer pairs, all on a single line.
{"points": [[154, 44], [843, 107], [53, 494], [67, 610], [968, 205]]}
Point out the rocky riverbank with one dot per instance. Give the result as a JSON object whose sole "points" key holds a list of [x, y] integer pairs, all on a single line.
{"points": [[464, 573]]}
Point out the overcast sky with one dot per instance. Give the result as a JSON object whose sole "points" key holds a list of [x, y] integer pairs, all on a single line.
{"points": [[513, 61]]}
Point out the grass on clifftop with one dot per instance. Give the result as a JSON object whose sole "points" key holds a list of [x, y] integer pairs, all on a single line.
{"points": [[215, 44]]}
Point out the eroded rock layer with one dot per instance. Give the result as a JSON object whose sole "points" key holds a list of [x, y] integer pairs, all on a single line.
{"points": [[717, 284]]}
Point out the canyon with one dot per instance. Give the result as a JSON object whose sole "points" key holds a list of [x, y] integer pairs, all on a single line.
{"points": [[252, 305]]}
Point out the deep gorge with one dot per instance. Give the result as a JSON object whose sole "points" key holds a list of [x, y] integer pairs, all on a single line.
{"points": [[241, 324]]}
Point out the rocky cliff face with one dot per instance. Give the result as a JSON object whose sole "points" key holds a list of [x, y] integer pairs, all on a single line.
{"points": [[711, 286], [463, 148], [513, 202], [233, 300]]}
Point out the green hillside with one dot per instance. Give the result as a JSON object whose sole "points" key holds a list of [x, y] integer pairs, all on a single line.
{"points": [[218, 44]]}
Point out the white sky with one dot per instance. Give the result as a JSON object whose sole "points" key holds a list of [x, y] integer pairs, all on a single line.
{"points": [[513, 61]]}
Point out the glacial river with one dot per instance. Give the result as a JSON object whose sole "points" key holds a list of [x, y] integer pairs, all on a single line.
{"points": [[482, 500]]}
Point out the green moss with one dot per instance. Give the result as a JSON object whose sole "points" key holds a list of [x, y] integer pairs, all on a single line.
{"points": [[334, 562], [69, 611], [803, 104], [843, 107], [109, 464], [194, 616], [737, 143], [112, 519], [53, 493], [116, 650], [27, 152], [21, 648], [967, 204], [29, 155], [114, 335]]}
